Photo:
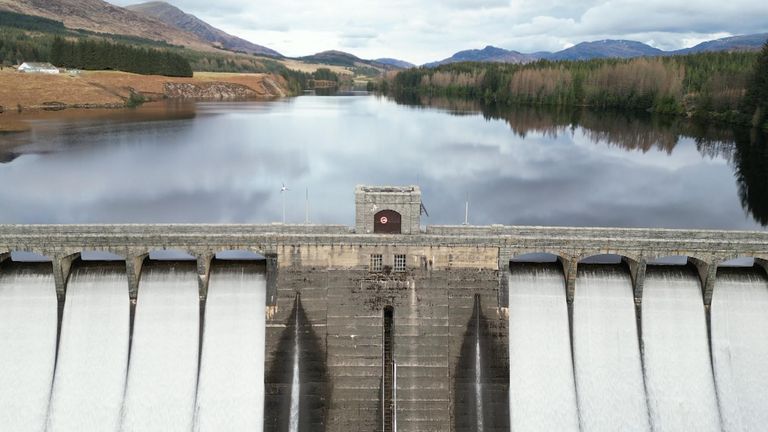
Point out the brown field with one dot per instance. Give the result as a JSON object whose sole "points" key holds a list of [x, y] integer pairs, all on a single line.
{"points": [[19, 91], [300, 66]]}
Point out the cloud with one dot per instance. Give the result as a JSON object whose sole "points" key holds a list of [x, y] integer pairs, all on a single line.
{"points": [[425, 30]]}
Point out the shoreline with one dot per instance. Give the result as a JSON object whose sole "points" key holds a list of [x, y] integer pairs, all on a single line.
{"points": [[25, 93]]}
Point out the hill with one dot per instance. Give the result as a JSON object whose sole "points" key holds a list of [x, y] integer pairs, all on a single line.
{"points": [[181, 20], [341, 58], [101, 17]]}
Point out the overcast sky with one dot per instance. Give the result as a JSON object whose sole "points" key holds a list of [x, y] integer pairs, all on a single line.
{"points": [[425, 30]]}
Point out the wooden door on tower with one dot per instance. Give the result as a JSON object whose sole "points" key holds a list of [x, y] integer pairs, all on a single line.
{"points": [[387, 222]]}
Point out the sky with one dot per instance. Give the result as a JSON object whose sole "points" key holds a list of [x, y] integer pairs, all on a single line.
{"points": [[421, 31]]}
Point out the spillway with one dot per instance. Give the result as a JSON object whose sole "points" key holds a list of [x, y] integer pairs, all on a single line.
{"points": [[162, 376], [231, 385], [542, 392], [90, 373], [608, 369], [739, 324], [678, 372], [27, 345]]}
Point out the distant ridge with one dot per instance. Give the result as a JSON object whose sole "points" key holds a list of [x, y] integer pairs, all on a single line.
{"points": [[487, 54], [605, 49], [753, 42], [345, 59], [402, 64], [179, 19], [608, 48]]}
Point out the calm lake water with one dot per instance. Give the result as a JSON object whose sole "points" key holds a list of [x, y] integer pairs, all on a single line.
{"points": [[226, 162]]}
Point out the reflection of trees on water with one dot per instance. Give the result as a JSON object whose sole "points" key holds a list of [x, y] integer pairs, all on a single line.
{"points": [[746, 151], [750, 162]]}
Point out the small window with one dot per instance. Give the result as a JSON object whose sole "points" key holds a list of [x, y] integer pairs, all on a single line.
{"points": [[376, 262], [399, 263]]}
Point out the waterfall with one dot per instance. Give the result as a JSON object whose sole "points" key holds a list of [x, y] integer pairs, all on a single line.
{"points": [[542, 391], [293, 425], [89, 381], [162, 376], [230, 392], [678, 372], [739, 325], [27, 345], [478, 372]]}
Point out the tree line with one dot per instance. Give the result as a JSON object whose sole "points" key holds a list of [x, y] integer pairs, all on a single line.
{"points": [[100, 55], [712, 85]]}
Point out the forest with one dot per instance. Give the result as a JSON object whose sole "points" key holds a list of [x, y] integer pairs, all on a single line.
{"points": [[708, 85]]}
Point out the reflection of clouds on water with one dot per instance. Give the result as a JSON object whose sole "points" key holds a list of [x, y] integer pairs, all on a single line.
{"points": [[226, 162]]}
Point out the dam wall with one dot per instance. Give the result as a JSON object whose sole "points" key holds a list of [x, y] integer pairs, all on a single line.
{"points": [[329, 361]]}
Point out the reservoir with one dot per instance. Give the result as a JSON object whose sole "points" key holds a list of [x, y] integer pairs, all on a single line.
{"points": [[226, 162]]}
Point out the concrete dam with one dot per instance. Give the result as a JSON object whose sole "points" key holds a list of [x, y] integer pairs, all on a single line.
{"points": [[384, 326]]}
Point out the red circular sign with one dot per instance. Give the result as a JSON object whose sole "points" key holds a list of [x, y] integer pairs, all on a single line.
{"points": [[384, 220]]}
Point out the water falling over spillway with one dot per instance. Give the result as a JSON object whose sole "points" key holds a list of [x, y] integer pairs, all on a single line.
{"points": [[297, 377], [542, 392], [90, 372], [27, 345], [481, 377], [162, 376], [609, 375], [230, 393], [478, 371], [678, 372], [293, 422], [739, 324]]}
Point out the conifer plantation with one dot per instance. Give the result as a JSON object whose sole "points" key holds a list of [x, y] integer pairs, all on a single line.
{"points": [[101, 55], [756, 99]]}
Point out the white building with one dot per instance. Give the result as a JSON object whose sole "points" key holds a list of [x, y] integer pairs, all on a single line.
{"points": [[33, 67]]}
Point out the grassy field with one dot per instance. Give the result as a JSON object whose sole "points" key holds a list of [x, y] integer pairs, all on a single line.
{"points": [[108, 88]]}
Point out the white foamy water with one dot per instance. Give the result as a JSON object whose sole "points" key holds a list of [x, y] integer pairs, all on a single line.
{"points": [[542, 391], [162, 377], [739, 322], [678, 372], [90, 375], [27, 347], [231, 388], [609, 374]]}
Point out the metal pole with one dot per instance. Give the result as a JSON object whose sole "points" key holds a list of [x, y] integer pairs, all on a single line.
{"points": [[306, 208], [466, 211], [394, 396]]}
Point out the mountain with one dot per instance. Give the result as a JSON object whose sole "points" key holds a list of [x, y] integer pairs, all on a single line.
{"points": [[753, 42], [102, 17], [179, 19], [400, 64], [487, 54], [603, 49]]}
